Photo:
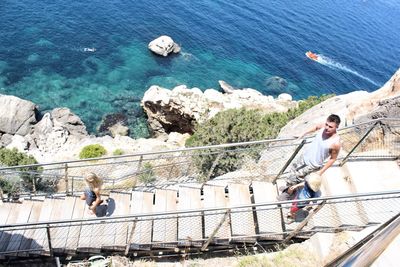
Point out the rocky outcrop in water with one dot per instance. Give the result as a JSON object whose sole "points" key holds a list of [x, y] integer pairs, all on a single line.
{"points": [[179, 109], [114, 124], [164, 45]]}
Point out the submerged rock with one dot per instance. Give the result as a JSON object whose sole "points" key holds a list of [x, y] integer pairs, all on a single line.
{"points": [[276, 84], [114, 124], [164, 45]]}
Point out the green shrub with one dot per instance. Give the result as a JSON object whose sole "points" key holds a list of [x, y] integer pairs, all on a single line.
{"points": [[118, 152], [239, 125], [92, 151], [147, 174], [29, 175]]}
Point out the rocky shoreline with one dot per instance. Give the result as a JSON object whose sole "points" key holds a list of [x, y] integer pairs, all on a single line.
{"points": [[59, 135]]}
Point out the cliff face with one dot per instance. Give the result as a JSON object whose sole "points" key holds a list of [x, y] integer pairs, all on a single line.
{"points": [[352, 108], [60, 134], [179, 109]]}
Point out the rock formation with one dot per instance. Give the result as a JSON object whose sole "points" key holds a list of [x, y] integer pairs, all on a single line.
{"points": [[353, 108], [178, 110], [16, 115], [164, 45], [276, 84]]}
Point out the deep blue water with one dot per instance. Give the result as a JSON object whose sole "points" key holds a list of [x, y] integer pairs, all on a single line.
{"points": [[245, 43]]}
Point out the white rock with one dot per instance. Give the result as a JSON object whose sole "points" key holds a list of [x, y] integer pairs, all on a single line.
{"points": [[16, 115], [164, 45], [18, 142], [285, 97]]}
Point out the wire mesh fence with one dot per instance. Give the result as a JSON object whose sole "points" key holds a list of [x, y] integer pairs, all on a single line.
{"points": [[200, 228], [260, 160]]}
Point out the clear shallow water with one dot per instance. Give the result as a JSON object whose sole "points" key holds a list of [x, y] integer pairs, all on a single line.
{"points": [[43, 57]]}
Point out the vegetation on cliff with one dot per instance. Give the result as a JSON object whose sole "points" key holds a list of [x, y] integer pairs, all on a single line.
{"points": [[28, 178], [240, 125], [92, 151]]}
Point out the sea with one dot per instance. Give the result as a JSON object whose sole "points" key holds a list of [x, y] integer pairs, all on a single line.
{"points": [[92, 56]]}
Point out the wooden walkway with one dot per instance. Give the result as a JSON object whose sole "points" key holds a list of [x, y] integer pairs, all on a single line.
{"points": [[187, 229], [146, 229]]}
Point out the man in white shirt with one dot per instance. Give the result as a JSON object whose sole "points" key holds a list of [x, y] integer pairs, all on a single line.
{"points": [[326, 144]]}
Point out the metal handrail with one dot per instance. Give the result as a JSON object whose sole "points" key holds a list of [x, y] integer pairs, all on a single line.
{"points": [[153, 153], [290, 160], [359, 142], [331, 199], [367, 250]]}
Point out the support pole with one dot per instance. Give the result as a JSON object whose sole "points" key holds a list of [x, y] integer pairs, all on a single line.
{"points": [[204, 247], [359, 142], [129, 241], [304, 222], [219, 156], [66, 179], [49, 239], [289, 160]]}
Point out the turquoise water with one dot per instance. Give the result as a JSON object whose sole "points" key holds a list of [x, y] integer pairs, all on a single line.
{"points": [[245, 43]]}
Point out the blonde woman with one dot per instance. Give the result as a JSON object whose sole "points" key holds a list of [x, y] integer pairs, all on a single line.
{"points": [[92, 192]]}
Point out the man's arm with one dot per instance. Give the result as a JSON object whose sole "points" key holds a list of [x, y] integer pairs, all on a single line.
{"points": [[311, 130], [334, 152]]}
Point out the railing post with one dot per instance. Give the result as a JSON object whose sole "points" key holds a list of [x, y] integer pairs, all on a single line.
{"points": [[289, 160], [204, 247], [304, 222], [129, 241], [358, 143], [213, 166], [66, 179], [49, 239], [34, 184]]}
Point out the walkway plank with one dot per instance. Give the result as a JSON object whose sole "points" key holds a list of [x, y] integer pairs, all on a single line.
{"points": [[40, 244], [116, 233], [23, 217], [5, 209], [268, 217], [165, 230], [34, 217], [12, 218], [60, 234], [190, 224], [141, 203], [214, 197], [242, 220], [75, 229], [85, 236]]}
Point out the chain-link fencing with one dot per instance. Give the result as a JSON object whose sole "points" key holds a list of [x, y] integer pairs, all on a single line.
{"points": [[203, 229], [259, 160]]}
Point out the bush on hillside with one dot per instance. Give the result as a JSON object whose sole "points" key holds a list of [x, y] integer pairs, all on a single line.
{"points": [[29, 176], [92, 151], [147, 174], [118, 152], [240, 125]]}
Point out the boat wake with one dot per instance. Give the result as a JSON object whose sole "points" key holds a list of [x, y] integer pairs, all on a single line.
{"points": [[324, 60]]}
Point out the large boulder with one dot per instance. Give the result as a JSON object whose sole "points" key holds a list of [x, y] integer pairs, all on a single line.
{"points": [[16, 115], [354, 107], [63, 117], [164, 45], [55, 129], [179, 109]]}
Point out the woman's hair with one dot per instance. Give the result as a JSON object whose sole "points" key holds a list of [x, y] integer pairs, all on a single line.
{"points": [[93, 181]]}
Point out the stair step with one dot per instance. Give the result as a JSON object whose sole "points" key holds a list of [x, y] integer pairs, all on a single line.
{"points": [[268, 218]]}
